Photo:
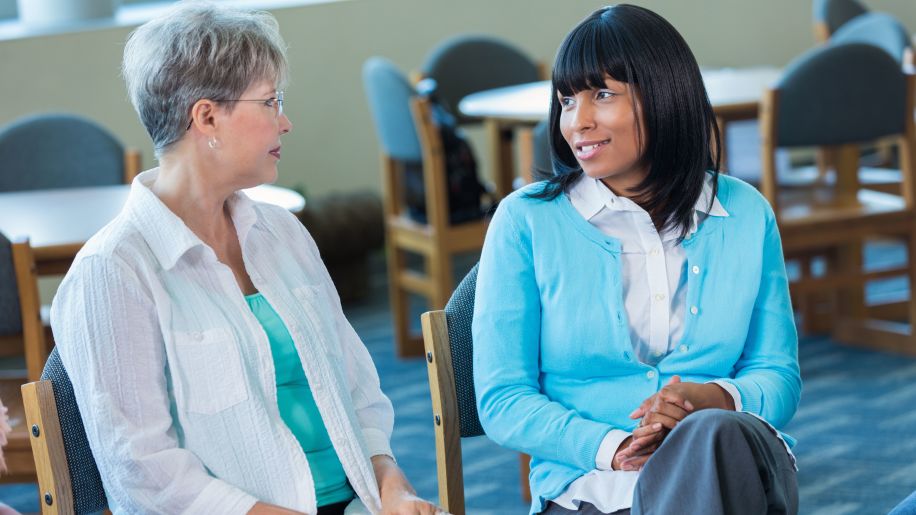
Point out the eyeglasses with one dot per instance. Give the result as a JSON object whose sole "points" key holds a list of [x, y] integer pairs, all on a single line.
{"points": [[275, 102]]}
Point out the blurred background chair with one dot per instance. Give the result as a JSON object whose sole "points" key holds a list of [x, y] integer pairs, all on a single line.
{"points": [[21, 331], [467, 64], [830, 15], [837, 98], [68, 478], [449, 363], [408, 137], [877, 29], [62, 151]]}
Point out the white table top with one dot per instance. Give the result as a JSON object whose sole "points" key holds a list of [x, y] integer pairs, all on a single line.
{"points": [[726, 87], [71, 216]]}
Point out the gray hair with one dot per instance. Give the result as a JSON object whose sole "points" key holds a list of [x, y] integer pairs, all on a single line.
{"points": [[198, 50]]}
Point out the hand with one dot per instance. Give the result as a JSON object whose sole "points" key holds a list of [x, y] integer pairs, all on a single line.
{"points": [[262, 508], [398, 497], [637, 448]]}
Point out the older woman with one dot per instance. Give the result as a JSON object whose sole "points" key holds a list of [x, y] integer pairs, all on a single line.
{"points": [[209, 354]]}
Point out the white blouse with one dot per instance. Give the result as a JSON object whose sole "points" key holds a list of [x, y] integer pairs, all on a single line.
{"points": [[173, 373]]}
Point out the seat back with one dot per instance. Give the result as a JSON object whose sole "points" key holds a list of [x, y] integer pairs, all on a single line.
{"points": [[67, 472], [830, 15], [389, 94], [877, 29], [469, 63], [449, 355], [58, 151], [10, 315], [838, 97]]}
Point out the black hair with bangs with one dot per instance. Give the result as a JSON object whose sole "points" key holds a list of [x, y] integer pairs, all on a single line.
{"points": [[634, 45]]}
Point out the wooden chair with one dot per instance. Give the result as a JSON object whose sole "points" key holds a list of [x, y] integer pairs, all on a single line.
{"points": [[68, 478], [409, 137], [21, 328], [836, 98], [829, 15], [449, 358], [466, 64]]}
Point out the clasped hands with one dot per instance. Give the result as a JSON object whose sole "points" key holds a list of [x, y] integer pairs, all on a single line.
{"points": [[660, 413]]}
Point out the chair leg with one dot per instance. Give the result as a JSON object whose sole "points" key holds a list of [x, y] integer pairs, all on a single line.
{"points": [[398, 298], [439, 267]]}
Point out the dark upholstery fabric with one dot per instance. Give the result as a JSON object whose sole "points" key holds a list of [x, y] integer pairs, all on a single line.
{"points": [[839, 94], [836, 12], [459, 312], [878, 29], [542, 162], [466, 64], [88, 495], [58, 151], [389, 94], [10, 315]]}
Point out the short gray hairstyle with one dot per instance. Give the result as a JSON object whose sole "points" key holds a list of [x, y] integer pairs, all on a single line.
{"points": [[198, 50]]}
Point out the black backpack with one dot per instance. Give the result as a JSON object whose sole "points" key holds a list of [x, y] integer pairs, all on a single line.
{"points": [[464, 187]]}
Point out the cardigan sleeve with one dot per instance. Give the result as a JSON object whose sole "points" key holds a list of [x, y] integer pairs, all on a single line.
{"points": [[767, 373], [106, 329], [506, 333]]}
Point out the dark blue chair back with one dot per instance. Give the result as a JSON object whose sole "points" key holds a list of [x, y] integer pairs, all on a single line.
{"points": [[88, 494], [466, 64], [839, 94], [459, 313], [58, 151], [834, 13], [878, 29], [542, 161], [389, 94]]}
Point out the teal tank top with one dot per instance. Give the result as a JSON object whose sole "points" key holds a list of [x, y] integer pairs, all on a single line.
{"points": [[298, 409]]}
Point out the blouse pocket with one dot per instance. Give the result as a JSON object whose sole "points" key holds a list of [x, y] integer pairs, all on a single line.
{"points": [[209, 368]]}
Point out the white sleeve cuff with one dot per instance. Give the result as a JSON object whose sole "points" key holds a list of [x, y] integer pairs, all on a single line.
{"points": [[608, 448], [221, 497], [730, 388]]}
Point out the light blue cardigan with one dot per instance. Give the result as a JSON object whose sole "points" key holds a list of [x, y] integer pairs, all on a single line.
{"points": [[554, 369]]}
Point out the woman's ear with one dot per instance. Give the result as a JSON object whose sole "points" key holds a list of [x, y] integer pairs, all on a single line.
{"points": [[203, 116]]}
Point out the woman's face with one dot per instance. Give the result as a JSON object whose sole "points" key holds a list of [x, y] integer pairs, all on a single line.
{"points": [[250, 135], [600, 126]]}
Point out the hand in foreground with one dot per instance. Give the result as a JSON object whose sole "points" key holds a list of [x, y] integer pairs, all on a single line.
{"points": [[636, 449], [398, 497], [262, 508]]}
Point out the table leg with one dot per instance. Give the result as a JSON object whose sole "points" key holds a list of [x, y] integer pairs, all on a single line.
{"points": [[502, 161]]}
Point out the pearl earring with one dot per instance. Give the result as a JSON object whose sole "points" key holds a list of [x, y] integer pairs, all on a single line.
{"points": [[213, 143]]}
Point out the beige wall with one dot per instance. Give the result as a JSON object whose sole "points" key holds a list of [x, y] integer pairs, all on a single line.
{"points": [[333, 145]]}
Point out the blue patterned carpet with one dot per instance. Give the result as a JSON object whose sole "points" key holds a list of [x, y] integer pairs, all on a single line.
{"points": [[856, 425]]}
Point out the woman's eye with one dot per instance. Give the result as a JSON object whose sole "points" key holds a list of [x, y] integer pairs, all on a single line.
{"points": [[270, 102], [566, 101], [604, 94]]}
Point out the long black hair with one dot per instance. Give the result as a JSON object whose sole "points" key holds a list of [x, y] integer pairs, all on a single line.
{"points": [[634, 45]]}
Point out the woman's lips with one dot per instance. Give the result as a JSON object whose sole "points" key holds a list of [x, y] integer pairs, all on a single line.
{"points": [[589, 149], [275, 152]]}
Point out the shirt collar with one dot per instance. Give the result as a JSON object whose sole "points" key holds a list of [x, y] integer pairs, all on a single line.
{"points": [[591, 196], [165, 233]]}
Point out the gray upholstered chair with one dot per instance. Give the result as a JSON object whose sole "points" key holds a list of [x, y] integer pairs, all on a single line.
{"points": [[466, 64], [449, 357], [409, 138], [836, 98], [542, 162], [878, 29], [68, 479], [62, 151], [830, 15]]}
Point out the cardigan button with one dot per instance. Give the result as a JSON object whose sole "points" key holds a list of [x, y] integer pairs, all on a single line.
{"points": [[650, 374]]}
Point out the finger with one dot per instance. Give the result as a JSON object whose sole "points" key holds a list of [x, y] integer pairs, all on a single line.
{"points": [[647, 429], [675, 379], [635, 463], [640, 411], [672, 396], [660, 418], [670, 410]]}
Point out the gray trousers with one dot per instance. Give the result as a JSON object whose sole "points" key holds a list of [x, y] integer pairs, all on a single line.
{"points": [[714, 462]]}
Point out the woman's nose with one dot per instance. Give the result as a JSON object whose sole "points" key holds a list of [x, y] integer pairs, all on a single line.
{"points": [[583, 117], [285, 124]]}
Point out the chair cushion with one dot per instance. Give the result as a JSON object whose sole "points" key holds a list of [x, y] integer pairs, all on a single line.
{"points": [[459, 313], [88, 494]]}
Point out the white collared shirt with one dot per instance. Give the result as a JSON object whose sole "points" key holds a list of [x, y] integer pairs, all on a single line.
{"points": [[173, 373], [653, 266]]}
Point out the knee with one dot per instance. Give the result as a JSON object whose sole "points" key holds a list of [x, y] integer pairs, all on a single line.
{"points": [[712, 422]]}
